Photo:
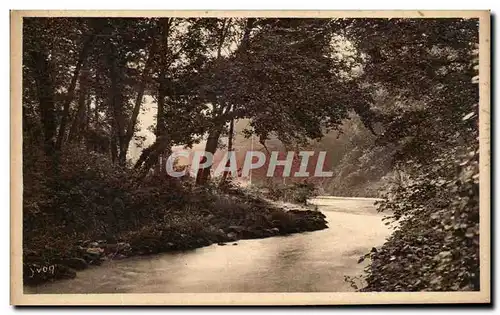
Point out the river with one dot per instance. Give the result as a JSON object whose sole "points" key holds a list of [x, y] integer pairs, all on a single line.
{"points": [[306, 262]]}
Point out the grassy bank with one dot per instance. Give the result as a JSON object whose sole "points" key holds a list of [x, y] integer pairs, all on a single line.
{"points": [[85, 211]]}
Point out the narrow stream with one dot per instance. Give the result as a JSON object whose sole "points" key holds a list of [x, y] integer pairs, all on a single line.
{"points": [[305, 262]]}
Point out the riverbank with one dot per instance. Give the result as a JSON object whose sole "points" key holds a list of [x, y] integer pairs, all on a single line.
{"points": [[80, 209], [250, 218], [300, 262]]}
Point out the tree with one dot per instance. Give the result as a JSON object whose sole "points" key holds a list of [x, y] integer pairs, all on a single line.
{"points": [[184, 53], [71, 89], [284, 79], [111, 54], [427, 66], [47, 41]]}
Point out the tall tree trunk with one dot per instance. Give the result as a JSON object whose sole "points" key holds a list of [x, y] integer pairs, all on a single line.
{"points": [[160, 122], [71, 89], [229, 150], [78, 120], [149, 156], [245, 41], [113, 146], [213, 137], [74, 131], [222, 36], [122, 157], [87, 129], [116, 103], [210, 147], [96, 112], [165, 30], [162, 147], [164, 25], [140, 95], [87, 114], [45, 90]]}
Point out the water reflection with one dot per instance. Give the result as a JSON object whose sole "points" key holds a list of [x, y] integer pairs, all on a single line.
{"points": [[313, 261]]}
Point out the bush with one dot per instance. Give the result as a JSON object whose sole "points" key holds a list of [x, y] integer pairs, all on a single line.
{"points": [[297, 192], [80, 197], [436, 247]]}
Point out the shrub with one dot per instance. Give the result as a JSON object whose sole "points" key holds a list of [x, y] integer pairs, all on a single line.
{"points": [[436, 247], [297, 192]]}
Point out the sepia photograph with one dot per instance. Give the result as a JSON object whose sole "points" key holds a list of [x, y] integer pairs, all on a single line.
{"points": [[250, 157]]}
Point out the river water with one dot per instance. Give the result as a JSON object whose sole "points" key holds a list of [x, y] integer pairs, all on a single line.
{"points": [[306, 262]]}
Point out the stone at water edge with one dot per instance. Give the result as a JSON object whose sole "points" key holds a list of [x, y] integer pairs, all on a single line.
{"points": [[234, 228], [232, 235], [95, 251], [275, 230], [93, 255]]}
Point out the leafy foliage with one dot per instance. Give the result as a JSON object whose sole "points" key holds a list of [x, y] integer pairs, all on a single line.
{"points": [[401, 86], [433, 196], [90, 198], [296, 192]]}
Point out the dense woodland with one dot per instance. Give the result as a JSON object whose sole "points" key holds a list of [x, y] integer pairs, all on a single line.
{"points": [[393, 99]]}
